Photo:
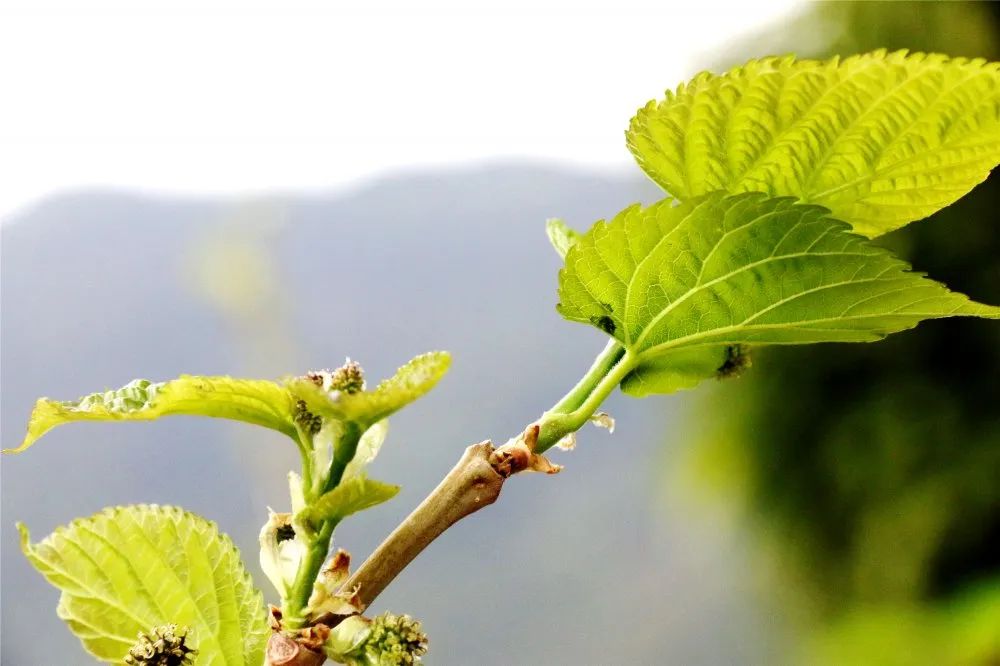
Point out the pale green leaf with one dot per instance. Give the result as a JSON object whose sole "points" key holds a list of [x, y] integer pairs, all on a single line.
{"points": [[561, 235], [410, 382], [352, 495], [128, 569], [368, 447], [259, 402], [721, 271], [881, 139]]}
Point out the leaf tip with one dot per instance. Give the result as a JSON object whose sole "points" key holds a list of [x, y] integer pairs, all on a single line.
{"points": [[25, 536]]}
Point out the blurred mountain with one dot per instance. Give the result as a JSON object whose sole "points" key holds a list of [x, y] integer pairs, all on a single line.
{"points": [[99, 287]]}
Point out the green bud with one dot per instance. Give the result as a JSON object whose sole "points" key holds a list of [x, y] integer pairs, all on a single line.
{"points": [[393, 640], [306, 420], [349, 378]]}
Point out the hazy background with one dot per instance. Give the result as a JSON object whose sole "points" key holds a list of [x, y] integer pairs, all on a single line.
{"points": [[839, 505]]}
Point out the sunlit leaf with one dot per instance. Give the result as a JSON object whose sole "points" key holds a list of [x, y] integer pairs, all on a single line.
{"points": [[129, 569], [722, 271], [254, 401], [352, 495], [368, 447], [561, 235], [410, 382], [880, 139]]}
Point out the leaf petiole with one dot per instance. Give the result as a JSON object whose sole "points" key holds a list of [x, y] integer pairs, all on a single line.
{"points": [[575, 409]]}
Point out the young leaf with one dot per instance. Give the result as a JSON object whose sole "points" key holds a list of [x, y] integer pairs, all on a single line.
{"points": [[561, 235], [352, 495], [721, 271], [254, 401], [368, 447], [410, 382], [881, 139], [129, 569]]}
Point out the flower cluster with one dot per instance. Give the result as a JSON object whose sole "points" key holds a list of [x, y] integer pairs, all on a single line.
{"points": [[394, 640], [163, 646]]}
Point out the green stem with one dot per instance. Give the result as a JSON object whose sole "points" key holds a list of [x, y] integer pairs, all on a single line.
{"points": [[343, 454], [293, 610], [305, 454], [573, 411], [476, 481], [473, 483], [602, 365]]}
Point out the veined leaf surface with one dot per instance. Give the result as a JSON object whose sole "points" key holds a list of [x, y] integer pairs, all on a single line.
{"points": [[129, 569], [259, 402], [881, 139], [745, 269]]}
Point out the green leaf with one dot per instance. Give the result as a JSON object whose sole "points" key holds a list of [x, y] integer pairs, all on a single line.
{"points": [[720, 271], [258, 402], [128, 569], [675, 370], [352, 495], [410, 382], [562, 236], [880, 139], [368, 447]]}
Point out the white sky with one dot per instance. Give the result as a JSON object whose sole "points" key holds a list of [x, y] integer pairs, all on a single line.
{"points": [[190, 96]]}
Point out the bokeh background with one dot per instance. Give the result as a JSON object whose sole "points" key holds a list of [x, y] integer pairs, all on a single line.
{"points": [[839, 504]]}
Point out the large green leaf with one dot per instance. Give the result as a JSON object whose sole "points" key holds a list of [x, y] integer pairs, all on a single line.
{"points": [[727, 270], [129, 569], [254, 401], [410, 382], [879, 139]]}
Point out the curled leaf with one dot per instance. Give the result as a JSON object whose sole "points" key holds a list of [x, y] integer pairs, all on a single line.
{"points": [[368, 447], [562, 236], [327, 596], [282, 550]]}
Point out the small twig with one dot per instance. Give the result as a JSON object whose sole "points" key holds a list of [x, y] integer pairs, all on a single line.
{"points": [[471, 485]]}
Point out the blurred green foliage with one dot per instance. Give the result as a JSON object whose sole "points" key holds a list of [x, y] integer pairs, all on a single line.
{"points": [[872, 472]]}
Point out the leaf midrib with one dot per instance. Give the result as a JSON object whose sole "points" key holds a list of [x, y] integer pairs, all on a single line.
{"points": [[646, 331], [683, 341]]}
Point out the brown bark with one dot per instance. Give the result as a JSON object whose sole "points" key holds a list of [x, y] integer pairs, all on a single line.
{"points": [[471, 485]]}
